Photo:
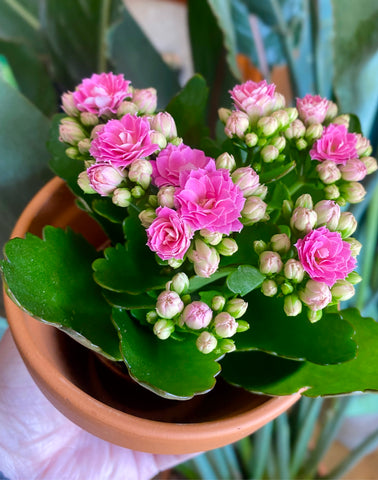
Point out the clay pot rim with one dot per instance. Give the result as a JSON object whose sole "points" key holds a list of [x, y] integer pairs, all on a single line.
{"points": [[61, 387]]}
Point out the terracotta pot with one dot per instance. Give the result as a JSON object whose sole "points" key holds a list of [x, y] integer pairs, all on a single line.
{"points": [[101, 401]]}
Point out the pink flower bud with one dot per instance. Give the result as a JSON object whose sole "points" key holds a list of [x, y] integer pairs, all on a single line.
{"points": [[342, 290], [328, 172], [303, 220], [227, 247], [328, 213], [84, 183], [145, 100], [69, 105], [353, 170], [126, 107], [206, 342], [140, 172], [295, 130], [89, 119], [166, 196], [237, 124], [104, 178], [225, 325], [312, 109], [353, 192], [180, 283], [280, 243], [163, 328], [267, 126], [84, 146], [223, 114], [270, 262], [158, 139], [236, 307], [212, 238], [70, 131], [305, 201], [218, 302], [121, 197], [169, 304], [282, 117], [347, 224], [246, 179], [253, 211], [147, 216], [370, 164], [355, 246], [269, 153], [292, 305], [316, 295], [164, 123], [197, 315], [251, 139], [269, 288], [293, 270], [205, 259], [363, 146], [225, 160], [331, 192]]}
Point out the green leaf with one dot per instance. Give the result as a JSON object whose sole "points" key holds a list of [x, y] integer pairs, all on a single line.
{"points": [[128, 301], [280, 193], [172, 369], [244, 279], [130, 48], [52, 280], [327, 341], [277, 172], [278, 376], [106, 208], [188, 108], [196, 282], [131, 268]]}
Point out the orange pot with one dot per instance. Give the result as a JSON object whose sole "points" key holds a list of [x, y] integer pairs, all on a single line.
{"points": [[103, 402]]}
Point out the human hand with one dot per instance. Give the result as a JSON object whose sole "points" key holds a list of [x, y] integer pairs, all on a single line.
{"points": [[38, 442]]}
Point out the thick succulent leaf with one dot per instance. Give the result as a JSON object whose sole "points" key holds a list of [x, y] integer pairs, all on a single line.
{"points": [[133, 54], [51, 278], [105, 208], [131, 267], [19, 22], [188, 108], [263, 373], [327, 341], [196, 282], [244, 279], [170, 368], [128, 301]]}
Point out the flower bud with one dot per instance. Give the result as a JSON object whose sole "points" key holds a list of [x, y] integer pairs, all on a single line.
{"points": [[270, 262], [342, 290], [328, 213], [331, 111], [206, 342], [147, 216], [89, 119], [293, 113], [279, 143], [70, 131], [176, 141], [316, 295], [96, 129], [314, 132], [353, 192], [236, 307], [282, 117], [140, 172], [227, 346], [251, 139], [293, 270], [84, 146], [121, 197], [253, 211], [363, 146], [175, 262], [261, 192], [295, 130], [246, 179], [314, 315], [347, 224], [73, 152], [153, 201], [169, 304], [301, 144], [212, 238], [286, 288], [126, 107], [225, 325], [137, 191], [218, 302], [242, 326], [227, 247], [269, 153], [69, 105], [163, 328], [164, 123], [145, 99], [259, 246], [370, 164], [197, 315], [267, 126], [279, 101], [354, 278], [205, 259], [237, 124], [280, 243], [223, 114], [328, 172], [355, 246], [166, 195], [332, 192], [180, 283], [104, 178], [151, 316], [292, 305], [287, 208], [84, 183], [159, 139], [353, 170], [305, 201], [225, 160], [269, 288], [342, 120], [303, 220]]}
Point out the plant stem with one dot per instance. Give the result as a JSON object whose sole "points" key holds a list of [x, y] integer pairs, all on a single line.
{"points": [[30, 19], [104, 21]]}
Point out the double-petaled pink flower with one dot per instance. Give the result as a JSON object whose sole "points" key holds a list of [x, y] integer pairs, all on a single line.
{"points": [[325, 256], [312, 108], [119, 142], [101, 94], [336, 144], [210, 199]]}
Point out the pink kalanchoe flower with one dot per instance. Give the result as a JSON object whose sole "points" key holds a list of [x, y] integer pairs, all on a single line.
{"points": [[312, 108], [256, 99], [210, 199], [169, 235], [120, 142], [336, 144], [325, 256], [104, 178], [174, 160], [101, 94]]}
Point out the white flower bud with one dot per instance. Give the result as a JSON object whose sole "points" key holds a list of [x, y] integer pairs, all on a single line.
{"points": [[237, 124], [305, 201], [269, 288], [251, 139], [227, 247], [169, 304], [212, 238], [328, 213], [89, 119], [164, 123], [223, 114], [145, 99], [269, 153], [126, 107], [267, 126], [147, 216], [280, 243], [225, 160], [180, 283], [236, 307], [218, 302], [163, 328], [225, 325], [303, 220], [206, 342], [342, 290], [84, 183], [68, 104], [355, 246], [293, 270], [270, 263], [121, 197], [159, 139], [253, 211], [353, 192], [166, 196], [316, 295], [370, 164], [292, 305]]}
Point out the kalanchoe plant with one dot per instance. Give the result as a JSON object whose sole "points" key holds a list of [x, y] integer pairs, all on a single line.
{"points": [[232, 259]]}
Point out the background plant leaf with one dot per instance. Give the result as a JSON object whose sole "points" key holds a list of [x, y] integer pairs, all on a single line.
{"points": [[162, 365], [52, 280], [129, 302], [244, 279]]}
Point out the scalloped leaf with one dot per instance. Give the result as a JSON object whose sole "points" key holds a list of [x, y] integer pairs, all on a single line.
{"points": [[128, 301], [263, 373], [328, 341], [169, 368], [51, 278], [244, 279]]}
